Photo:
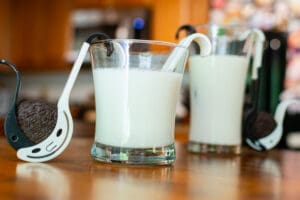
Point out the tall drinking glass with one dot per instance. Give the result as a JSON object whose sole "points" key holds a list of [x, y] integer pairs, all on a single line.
{"points": [[136, 96], [217, 90]]}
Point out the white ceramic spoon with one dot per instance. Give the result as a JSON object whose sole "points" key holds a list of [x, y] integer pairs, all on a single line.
{"points": [[60, 137], [272, 139]]}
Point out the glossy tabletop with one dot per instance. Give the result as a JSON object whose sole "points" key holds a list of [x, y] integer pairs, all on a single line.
{"points": [[74, 175]]}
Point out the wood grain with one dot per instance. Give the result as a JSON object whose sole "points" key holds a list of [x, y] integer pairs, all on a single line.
{"points": [[74, 175], [5, 20], [168, 15], [41, 34]]}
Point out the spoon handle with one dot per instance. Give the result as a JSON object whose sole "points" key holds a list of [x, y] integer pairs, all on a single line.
{"points": [[64, 98], [179, 52]]}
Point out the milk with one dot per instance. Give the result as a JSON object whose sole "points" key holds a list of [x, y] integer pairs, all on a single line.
{"points": [[135, 108], [217, 94]]}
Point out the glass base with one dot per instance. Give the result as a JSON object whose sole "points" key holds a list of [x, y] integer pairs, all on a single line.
{"points": [[134, 156], [197, 147]]}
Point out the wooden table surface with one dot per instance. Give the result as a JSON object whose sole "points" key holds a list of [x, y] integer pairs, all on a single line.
{"points": [[74, 175]]}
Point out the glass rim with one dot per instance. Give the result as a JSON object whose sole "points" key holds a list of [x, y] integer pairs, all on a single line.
{"points": [[225, 26], [141, 41]]}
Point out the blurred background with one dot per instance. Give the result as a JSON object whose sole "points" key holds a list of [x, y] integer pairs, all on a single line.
{"points": [[42, 38]]}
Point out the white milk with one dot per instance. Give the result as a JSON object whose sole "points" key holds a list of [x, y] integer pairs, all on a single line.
{"points": [[135, 108], [217, 94]]}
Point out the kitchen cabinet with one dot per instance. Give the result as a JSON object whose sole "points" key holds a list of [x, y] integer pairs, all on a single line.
{"points": [[111, 3], [36, 35], [4, 29], [41, 33], [167, 15]]}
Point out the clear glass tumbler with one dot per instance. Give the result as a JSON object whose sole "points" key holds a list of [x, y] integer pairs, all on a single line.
{"points": [[217, 90], [137, 84]]}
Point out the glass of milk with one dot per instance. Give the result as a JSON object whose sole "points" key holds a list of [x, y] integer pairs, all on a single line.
{"points": [[136, 96], [217, 87]]}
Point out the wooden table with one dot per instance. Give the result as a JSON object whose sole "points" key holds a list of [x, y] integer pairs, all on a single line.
{"points": [[74, 175]]}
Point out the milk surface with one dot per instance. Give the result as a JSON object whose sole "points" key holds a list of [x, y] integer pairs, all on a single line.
{"points": [[217, 94], [135, 108]]}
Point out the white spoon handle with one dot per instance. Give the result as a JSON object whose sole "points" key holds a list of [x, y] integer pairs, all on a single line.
{"points": [[258, 53], [179, 52], [273, 139], [64, 98]]}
